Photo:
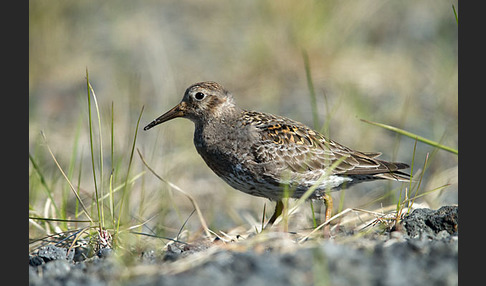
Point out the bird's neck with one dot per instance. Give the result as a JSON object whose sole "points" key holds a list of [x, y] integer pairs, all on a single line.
{"points": [[212, 132]]}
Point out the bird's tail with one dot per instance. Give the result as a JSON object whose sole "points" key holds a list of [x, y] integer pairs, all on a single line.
{"points": [[394, 175]]}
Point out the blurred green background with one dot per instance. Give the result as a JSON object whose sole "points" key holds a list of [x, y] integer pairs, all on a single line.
{"points": [[394, 62]]}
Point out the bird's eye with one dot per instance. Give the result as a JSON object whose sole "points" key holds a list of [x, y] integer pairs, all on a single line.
{"points": [[199, 96]]}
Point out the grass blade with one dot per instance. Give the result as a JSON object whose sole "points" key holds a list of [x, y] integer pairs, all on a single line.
{"points": [[121, 186], [420, 181], [425, 193], [78, 187], [43, 183], [58, 219], [100, 151], [88, 88], [191, 198], [67, 179], [312, 92], [455, 13], [112, 147], [128, 171], [413, 136]]}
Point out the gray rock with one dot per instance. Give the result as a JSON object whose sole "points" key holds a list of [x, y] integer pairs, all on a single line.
{"points": [[430, 223], [51, 252]]}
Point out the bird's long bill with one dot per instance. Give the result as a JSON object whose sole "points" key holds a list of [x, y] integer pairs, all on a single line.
{"points": [[176, 111]]}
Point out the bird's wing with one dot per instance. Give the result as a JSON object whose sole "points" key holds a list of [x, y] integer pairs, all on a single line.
{"points": [[286, 144]]}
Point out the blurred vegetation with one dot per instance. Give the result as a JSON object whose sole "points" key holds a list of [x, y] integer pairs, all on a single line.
{"points": [[394, 62]]}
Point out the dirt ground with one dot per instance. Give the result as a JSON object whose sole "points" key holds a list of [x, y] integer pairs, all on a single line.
{"points": [[422, 251]]}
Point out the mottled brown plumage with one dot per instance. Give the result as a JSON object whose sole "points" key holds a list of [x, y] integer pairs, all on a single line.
{"points": [[258, 153]]}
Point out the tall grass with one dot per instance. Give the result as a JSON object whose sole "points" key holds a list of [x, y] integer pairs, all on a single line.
{"points": [[125, 187], [413, 136], [91, 94], [118, 206]]}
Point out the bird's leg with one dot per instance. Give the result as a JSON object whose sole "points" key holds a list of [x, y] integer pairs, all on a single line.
{"points": [[328, 203], [276, 213]]}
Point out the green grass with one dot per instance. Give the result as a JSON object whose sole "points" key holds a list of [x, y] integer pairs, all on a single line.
{"points": [[312, 92], [91, 94], [414, 136], [455, 14], [117, 204]]}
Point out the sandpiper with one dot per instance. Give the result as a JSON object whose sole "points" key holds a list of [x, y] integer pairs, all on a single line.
{"points": [[261, 154]]}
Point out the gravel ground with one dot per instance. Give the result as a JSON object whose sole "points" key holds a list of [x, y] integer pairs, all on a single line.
{"points": [[423, 252]]}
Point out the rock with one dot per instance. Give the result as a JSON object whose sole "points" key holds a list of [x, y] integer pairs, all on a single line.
{"points": [[35, 260], [445, 218], [430, 223], [51, 252], [105, 252]]}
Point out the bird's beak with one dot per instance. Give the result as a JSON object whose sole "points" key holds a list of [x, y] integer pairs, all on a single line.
{"points": [[177, 111]]}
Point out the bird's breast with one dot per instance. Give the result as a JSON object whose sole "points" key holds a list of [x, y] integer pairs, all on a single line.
{"points": [[217, 142]]}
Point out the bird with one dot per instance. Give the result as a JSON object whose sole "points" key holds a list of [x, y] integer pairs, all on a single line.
{"points": [[272, 156]]}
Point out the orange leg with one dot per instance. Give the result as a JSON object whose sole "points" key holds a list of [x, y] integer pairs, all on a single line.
{"points": [[329, 205]]}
